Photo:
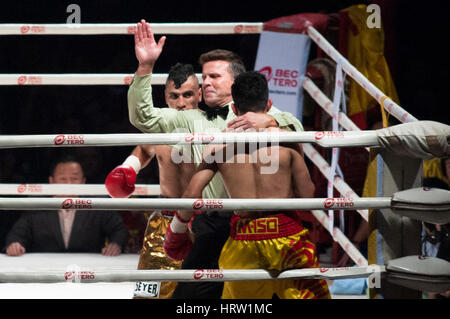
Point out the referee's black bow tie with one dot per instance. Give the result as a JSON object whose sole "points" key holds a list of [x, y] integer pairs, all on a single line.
{"points": [[213, 112]]}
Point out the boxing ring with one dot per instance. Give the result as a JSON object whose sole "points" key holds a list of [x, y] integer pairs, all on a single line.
{"points": [[409, 269]]}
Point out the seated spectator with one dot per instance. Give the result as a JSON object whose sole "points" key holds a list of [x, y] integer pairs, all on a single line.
{"points": [[7, 220], [436, 237], [67, 230]]}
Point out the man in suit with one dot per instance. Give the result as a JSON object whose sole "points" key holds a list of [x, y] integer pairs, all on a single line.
{"points": [[67, 230]]}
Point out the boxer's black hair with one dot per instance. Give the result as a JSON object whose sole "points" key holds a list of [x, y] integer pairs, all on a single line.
{"points": [[179, 73], [250, 92]]}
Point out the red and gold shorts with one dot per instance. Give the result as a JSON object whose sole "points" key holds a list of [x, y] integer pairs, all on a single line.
{"points": [[275, 242]]}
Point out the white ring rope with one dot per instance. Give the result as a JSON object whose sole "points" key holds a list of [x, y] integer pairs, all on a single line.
{"points": [[338, 182], [91, 276], [78, 79], [72, 189], [129, 28], [322, 138], [228, 204], [392, 107], [337, 235]]}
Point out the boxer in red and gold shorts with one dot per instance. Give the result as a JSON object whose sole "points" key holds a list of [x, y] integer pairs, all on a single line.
{"points": [[182, 92], [258, 240], [275, 242]]}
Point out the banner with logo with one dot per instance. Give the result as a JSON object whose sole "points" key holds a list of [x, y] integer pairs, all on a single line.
{"points": [[282, 59]]}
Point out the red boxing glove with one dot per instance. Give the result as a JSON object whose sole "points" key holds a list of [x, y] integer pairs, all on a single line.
{"points": [[177, 244], [120, 182]]}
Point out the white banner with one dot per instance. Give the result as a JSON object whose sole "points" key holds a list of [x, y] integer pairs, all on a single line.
{"points": [[282, 59]]}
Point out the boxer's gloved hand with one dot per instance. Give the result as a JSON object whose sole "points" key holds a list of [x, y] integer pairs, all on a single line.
{"points": [[120, 181], [177, 243]]}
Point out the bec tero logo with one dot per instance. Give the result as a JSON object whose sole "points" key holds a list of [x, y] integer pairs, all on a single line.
{"points": [[21, 188], [329, 202], [198, 137], [69, 139], [207, 204], [198, 274], [24, 29], [189, 137], [70, 275], [30, 188], [33, 29], [238, 28], [208, 274], [338, 202], [319, 135], [267, 72], [281, 77], [330, 134], [198, 204], [67, 203], [322, 270], [246, 29], [60, 139], [76, 204], [23, 79]]}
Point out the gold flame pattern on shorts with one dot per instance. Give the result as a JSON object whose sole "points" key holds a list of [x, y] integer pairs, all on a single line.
{"points": [[152, 254]]}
